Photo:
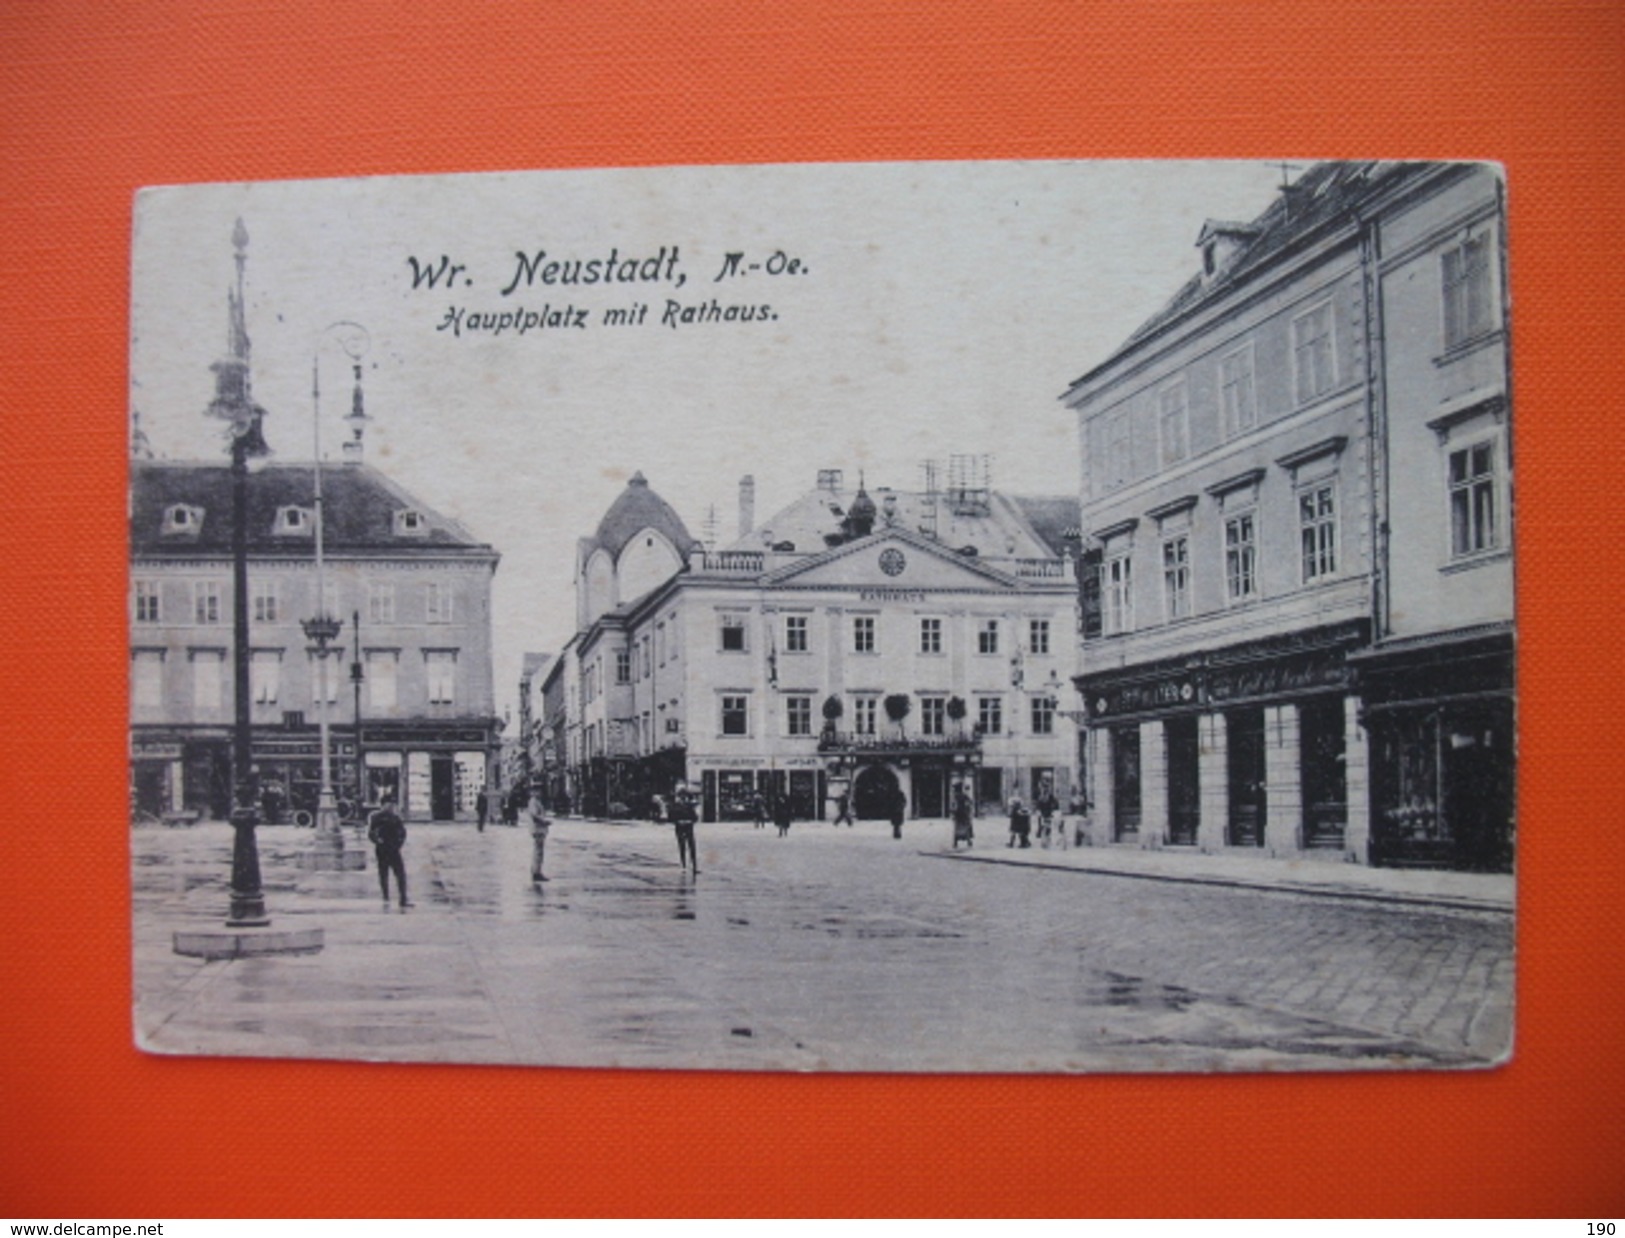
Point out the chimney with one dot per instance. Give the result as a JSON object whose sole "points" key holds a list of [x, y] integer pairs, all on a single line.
{"points": [[747, 504]]}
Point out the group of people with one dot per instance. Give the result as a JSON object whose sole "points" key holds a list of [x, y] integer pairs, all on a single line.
{"points": [[387, 831], [1052, 828]]}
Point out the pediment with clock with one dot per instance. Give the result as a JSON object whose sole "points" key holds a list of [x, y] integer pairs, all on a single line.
{"points": [[896, 562]]}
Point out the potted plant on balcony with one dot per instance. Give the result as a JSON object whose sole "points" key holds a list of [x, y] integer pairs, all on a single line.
{"points": [[897, 706], [833, 709], [956, 713]]}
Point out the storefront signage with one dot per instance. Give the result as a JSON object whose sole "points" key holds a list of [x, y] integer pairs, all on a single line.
{"points": [[157, 752]]}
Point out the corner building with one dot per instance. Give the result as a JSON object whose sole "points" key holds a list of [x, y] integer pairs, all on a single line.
{"points": [[1297, 605], [853, 647]]}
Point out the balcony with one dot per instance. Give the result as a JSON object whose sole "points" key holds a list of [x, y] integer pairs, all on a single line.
{"points": [[733, 562], [1041, 569]]}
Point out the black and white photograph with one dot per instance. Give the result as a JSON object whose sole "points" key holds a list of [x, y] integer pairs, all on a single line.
{"points": [[1003, 617]]}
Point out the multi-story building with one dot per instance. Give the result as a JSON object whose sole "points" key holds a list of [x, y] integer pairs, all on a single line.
{"points": [[1297, 597], [408, 685], [847, 648], [412, 587]]}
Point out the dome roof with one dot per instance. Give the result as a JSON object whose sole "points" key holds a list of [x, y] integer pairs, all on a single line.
{"points": [[638, 508]]}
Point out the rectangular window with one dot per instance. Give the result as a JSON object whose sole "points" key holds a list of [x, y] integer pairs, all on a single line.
{"points": [[990, 714], [863, 634], [1173, 420], [147, 679], [987, 636], [1043, 715], [736, 715], [930, 635], [864, 715], [933, 715], [380, 603], [381, 664], [1119, 593], [206, 601], [265, 602], [795, 633], [438, 603], [1240, 557], [441, 665], [1472, 499], [623, 666], [1176, 576], [1469, 308], [1038, 636], [147, 608], [207, 679], [1314, 359], [1236, 392], [798, 715], [265, 675], [733, 634], [1317, 523]]}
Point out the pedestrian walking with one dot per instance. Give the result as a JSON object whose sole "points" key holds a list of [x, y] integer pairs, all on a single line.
{"points": [[539, 825], [964, 832], [758, 809], [843, 808], [683, 817], [482, 806], [899, 810], [1078, 807], [781, 814], [387, 833], [1047, 806], [1021, 824]]}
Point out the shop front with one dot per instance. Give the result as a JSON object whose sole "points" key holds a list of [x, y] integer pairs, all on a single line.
{"points": [[1440, 715], [1246, 747], [435, 772]]}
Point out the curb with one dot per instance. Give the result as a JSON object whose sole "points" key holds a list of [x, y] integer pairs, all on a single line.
{"points": [[1447, 901]]}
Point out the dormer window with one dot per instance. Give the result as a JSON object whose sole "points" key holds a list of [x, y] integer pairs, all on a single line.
{"points": [[293, 521], [409, 523], [182, 520], [1221, 240]]}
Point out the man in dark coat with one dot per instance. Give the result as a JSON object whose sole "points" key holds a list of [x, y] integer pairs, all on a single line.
{"points": [[683, 817], [387, 833], [1021, 824]]}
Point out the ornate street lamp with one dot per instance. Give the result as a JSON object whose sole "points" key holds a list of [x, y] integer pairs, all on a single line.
{"points": [[234, 404], [323, 628]]}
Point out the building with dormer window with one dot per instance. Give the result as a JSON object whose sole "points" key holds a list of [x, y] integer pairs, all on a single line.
{"points": [[416, 610], [1297, 591], [856, 646]]}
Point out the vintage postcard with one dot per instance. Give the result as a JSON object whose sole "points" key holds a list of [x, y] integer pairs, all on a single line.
{"points": [[1040, 617]]}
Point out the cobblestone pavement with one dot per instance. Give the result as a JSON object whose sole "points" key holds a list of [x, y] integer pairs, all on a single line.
{"points": [[829, 949]]}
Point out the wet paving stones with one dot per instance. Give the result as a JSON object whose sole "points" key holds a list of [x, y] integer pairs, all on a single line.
{"points": [[842, 950]]}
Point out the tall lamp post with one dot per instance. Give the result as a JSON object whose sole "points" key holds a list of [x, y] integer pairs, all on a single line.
{"points": [[323, 628], [234, 403]]}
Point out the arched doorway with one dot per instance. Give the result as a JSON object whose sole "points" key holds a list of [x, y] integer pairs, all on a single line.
{"points": [[874, 793]]}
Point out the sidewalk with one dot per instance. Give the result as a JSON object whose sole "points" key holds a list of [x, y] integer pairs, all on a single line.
{"points": [[1331, 877]]}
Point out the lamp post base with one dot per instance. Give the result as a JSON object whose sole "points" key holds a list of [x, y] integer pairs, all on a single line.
{"points": [[248, 943], [327, 853]]}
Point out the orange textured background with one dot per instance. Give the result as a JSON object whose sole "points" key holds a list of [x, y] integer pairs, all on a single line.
{"points": [[97, 99]]}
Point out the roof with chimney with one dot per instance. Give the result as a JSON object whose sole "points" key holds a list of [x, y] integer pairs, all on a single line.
{"points": [[995, 524], [181, 509], [1325, 196]]}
